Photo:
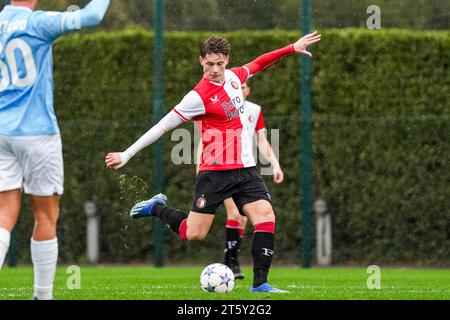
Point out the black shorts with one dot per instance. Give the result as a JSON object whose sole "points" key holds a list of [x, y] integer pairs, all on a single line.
{"points": [[243, 185]]}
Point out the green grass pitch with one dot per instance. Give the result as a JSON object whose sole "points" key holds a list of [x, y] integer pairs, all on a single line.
{"points": [[182, 283]]}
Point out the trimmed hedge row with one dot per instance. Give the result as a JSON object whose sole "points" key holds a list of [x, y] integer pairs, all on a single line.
{"points": [[381, 143]]}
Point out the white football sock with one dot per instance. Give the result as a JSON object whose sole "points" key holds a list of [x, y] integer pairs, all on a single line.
{"points": [[5, 238], [44, 255]]}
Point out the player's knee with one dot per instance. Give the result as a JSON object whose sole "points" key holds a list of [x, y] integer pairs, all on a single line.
{"points": [[42, 219], [267, 215], [196, 235], [8, 222]]}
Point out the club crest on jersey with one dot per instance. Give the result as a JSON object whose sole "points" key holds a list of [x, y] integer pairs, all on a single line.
{"points": [[234, 85], [201, 203], [251, 118]]}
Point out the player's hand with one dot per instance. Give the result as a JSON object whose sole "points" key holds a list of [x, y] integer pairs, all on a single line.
{"points": [[278, 175], [117, 160], [302, 44]]}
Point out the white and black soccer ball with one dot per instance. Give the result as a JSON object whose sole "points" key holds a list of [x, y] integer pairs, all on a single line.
{"points": [[217, 277]]}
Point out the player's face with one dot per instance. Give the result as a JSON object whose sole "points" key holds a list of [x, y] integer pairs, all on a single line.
{"points": [[214, 66], [245, 90]]}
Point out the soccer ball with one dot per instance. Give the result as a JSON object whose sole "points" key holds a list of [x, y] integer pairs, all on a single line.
{"points": [[217, 277]]}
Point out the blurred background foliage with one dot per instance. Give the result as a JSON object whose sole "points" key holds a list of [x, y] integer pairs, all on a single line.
{"points": [[226, 15], [380, 128], [380, 143]]}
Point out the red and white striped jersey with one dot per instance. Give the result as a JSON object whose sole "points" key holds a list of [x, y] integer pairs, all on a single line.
{"points": [[254, 121], [221, 115]]}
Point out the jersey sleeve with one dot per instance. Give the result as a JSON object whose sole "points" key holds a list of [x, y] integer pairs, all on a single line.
{"points": [[260, 125], [49, 25], [268, 59], [190, 107], [242, 73]]}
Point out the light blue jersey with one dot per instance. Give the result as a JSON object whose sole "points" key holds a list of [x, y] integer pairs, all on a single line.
{"points": [[26, 64]]}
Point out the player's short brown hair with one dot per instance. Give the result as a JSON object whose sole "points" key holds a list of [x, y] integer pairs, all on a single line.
{"points": [[215, 45]]}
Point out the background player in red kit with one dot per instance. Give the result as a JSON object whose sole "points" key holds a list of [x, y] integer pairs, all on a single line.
{"points": [[228, 168]]}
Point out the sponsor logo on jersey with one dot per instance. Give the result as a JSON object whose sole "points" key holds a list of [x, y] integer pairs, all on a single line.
{"points": [[215, 99], [233, 108], [231, 111]]}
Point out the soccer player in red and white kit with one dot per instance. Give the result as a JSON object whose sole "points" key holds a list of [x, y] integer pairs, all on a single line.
{"points": [[236, 220], [228, 168]]}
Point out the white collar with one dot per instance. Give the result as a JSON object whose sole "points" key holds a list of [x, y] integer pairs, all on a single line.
{"points": [[217, 84]]}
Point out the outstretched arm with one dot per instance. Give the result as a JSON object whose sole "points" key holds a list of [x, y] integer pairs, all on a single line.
{"points": [[190, 107], [266, 60], [50, 25], [93, 13], [118, 159]]}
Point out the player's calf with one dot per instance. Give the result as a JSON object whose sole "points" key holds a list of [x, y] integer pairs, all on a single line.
{"points": [[263, 249], [44, 255], [44, 245], [232, 246]]}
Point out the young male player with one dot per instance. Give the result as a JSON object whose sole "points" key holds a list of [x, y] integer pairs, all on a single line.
{"points": [[30, 142], [236, 221], [228, 168]]}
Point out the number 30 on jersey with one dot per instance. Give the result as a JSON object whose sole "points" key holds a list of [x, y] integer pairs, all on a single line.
{"points": [[9, 68]]}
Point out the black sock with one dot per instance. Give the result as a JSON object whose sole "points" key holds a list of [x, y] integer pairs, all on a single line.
{"points": [[170, 216], [262, 252], [232, 245]]}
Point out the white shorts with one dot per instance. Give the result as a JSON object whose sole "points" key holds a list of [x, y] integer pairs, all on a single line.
{"points": [[34, 163]]}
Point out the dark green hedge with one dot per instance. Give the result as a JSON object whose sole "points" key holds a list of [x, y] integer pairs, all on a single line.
{"points": [[381, 142]]}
